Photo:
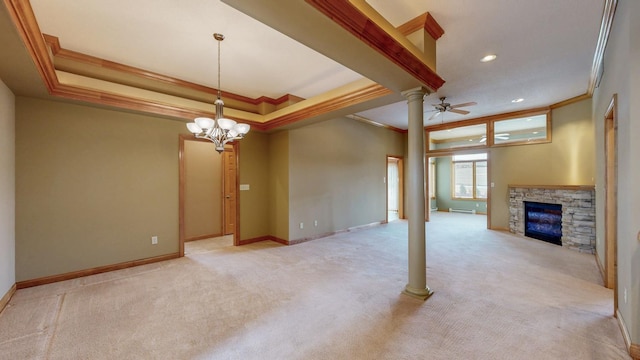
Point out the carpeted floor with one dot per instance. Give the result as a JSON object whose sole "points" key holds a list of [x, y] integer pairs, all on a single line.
{"points": [[497, 296]]}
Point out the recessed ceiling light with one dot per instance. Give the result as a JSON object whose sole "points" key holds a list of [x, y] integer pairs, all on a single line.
{"points": [[535, 133], [488, 58], [517, 100]]}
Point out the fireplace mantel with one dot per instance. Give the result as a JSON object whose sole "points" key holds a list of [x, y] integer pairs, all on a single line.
{"points": [[555, 187], [578, 211]]}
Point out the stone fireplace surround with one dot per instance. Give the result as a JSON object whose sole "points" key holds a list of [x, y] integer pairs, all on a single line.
{"points": [[578, 212]]}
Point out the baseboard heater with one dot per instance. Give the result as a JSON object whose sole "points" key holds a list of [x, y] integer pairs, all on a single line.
{"points": [[462, 211]]}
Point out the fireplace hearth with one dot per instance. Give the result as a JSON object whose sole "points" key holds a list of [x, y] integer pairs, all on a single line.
{"points": [[543, 221]]}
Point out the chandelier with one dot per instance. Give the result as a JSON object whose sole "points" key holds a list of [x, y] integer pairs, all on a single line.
{"points": [[221, 130]]}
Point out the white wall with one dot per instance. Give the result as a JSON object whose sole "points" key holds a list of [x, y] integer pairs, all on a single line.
{"points": [[622, 77], [7, 190]]}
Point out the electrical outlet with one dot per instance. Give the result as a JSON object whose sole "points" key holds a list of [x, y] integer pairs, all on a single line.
{"points": [[625, 295], [301, 225], [154, 240], [315, 222]]}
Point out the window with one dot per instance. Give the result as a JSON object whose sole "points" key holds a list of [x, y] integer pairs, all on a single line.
{"points": [[517, 128], [469, 176]]}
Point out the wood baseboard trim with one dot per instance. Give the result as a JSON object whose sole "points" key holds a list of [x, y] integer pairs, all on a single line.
{"points": [[263, 238], [500, 228], [600, 268], [354, 228], [7, 297], [93, 271], [310, 238], [202, 237], [634, 351]]}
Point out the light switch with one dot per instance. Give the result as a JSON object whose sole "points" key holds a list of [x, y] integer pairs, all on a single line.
{"points": [[244, 187]]}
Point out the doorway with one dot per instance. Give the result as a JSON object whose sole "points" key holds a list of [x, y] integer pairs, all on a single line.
{"points": [[208, 191], [460, 183], [395, 189], [611, 200]]}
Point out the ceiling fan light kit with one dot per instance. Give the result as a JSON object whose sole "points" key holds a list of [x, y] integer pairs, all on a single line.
{"points": [[220, 130]]}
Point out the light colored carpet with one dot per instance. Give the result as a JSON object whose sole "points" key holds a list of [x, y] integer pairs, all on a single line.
{"points": [[497, 296]]}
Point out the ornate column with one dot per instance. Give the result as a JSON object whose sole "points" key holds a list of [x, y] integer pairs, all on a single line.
{"points": [[417, 286]]}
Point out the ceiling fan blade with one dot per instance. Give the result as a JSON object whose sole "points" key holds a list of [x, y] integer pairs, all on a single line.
{"points": [[462, 112], [433, 115], [464, 104]]}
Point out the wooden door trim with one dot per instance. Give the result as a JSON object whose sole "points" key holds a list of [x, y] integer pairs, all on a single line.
{"points": [[233, 150], [181, 191], [611, 194], [400, 186], [236, 233]]}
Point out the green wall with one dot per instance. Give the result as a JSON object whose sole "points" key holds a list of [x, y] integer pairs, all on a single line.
{"points": [[443, 199], [92, 187], [621, 78], [568, 160], [254, 161], [7, 190], [279, 185], [337, 175]]}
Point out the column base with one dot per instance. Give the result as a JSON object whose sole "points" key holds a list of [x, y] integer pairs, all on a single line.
{"points": [[420, 294]]}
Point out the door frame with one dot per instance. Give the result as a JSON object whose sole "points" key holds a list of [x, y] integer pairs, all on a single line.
{"points": [[181, 191], [611, 199], [400, 160], [450, 154]]}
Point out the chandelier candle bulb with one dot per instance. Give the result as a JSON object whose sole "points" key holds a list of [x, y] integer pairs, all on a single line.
{"points": [[220, 130]]}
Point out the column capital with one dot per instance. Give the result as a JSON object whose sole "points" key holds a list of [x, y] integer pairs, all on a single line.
{"points": [[418, 91]]}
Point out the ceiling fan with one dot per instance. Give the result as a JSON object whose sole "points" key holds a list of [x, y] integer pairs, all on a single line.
{"points": [[444, 106], [503, 136]]}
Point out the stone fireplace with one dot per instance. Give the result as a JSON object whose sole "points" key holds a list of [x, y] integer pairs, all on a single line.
{"points": [[578, 212]]}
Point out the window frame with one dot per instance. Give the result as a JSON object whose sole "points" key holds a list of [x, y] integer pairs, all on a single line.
{"points": [[474, 179], [490, 125]]}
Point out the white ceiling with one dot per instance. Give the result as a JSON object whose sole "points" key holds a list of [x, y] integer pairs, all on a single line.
{"points": [[545, 48]]}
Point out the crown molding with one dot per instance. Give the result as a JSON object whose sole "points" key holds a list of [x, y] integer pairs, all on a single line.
{"points": [[608, 14], [44, 51]]}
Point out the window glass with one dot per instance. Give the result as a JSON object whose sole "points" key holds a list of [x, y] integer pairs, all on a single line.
{"points": [[469, 176], [521, 130], [463, 136], [463, 180]]}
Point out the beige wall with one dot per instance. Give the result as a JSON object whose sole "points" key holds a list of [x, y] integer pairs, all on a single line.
{"points": [[279, 185], [202, 189], [336, 175], [253, 153], [92, 187], [568, 160], [7, 189], [621, 76]]}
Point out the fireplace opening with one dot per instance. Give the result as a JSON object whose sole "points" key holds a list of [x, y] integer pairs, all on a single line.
{"points": [[543, 221]]}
